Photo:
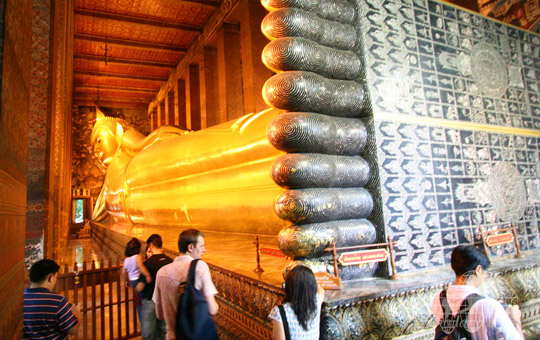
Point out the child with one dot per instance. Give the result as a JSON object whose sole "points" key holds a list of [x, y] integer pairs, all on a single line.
{"points": [[133, 266]]}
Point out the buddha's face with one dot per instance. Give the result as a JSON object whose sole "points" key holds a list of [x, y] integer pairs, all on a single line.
{"points": [[104, 143]]}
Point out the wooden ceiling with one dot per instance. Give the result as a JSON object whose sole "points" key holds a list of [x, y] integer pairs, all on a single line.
{"points": [[126, 49]]}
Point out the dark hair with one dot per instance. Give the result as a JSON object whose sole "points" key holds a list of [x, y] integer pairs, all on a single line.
{"points": [[133, 247], [156, 240], [301, 291], [465, 259], [41, 269], [187, 237]]}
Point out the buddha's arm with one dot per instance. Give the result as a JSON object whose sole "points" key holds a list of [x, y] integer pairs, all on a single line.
{"points": [[100, 212]]}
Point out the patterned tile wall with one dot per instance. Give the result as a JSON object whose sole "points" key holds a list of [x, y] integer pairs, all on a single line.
{"points": [[455, 100]]}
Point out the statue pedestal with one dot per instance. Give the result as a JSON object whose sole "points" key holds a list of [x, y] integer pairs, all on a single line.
{"points": [[367, 309]]}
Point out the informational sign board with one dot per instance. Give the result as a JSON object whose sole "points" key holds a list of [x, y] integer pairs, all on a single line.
{"points": [[363, 256], [328, 281], [495, 240]]}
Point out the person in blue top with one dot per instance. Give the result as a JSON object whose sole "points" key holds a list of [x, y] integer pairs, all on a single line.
{"points": [[47, 315]]}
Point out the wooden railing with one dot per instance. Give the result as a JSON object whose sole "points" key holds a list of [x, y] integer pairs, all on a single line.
{"points": [[107, 308]]}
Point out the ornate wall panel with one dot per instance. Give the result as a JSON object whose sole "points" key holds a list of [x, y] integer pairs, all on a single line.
{"points": [[15, 95], [87, 173], [2, 22], [455, 100], [36, 215]]}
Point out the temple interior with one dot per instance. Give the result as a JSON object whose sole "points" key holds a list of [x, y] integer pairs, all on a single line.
{"points": [[363, 138]]}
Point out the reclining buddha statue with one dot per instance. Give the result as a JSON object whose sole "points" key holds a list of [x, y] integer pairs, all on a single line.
{"points": [[216, 177], [296, 170]]}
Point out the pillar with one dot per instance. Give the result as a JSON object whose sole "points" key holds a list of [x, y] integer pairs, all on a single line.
{"points": [[209, 88], [253, 41], [231, 104], [170, 107], [162, 113], [193, 118], [59, 162], [154, 119], [181, 103]]}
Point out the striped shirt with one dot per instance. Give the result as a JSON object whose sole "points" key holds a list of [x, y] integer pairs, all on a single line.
{"points": [[47, 315]]}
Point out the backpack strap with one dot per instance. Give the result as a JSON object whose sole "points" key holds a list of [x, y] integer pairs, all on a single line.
{"points": [[191, 276], [447, 312], [467, 304], [284, 321]]}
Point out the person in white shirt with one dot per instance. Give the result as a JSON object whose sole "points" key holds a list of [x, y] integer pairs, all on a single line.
{"points": [[168, 278], [487, 318]]}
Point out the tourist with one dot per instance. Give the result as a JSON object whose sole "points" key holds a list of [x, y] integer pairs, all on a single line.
{"points": [[168, 278], [151, 327], [302, 306], [487, 318], [47, 315], [133, 266]]}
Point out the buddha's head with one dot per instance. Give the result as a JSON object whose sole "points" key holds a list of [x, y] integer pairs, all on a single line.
{"points": [[106, 136]]}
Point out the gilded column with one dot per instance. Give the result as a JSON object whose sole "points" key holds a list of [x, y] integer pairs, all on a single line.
{"points": [[60, 131]]}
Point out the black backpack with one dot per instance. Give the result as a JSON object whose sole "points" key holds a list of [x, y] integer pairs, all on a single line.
{"points": [[455, 327], [193, 320]]}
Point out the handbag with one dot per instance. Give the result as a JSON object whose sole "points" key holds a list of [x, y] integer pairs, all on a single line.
{"points": [[193, 320]]}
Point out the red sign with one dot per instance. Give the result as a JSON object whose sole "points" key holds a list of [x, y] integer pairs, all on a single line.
{"points": [[272, 252], [363, 256], [495, 240], [327, 281]]}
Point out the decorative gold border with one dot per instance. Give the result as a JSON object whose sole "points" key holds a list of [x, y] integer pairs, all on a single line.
{"points": [[456, 124]]}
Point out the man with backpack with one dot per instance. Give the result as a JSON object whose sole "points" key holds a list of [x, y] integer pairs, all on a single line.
{"points": [[462, 312], [170, 277]]}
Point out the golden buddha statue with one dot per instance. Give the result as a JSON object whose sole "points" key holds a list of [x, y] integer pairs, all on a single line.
{"points": [[296, 170], [217, 178]]}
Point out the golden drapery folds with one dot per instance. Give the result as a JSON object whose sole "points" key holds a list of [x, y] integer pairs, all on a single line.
{"points": [[215, 179]]}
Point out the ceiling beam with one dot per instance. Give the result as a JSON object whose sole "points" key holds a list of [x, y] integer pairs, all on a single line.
{"points": [[130, 43], [93, 98], [136, 20], [114, 88], [116, 75], [112, 104], [205, 2], [124, 61], [124, 95]]}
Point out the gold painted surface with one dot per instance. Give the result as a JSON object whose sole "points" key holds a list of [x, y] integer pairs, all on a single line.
{"points": [[215, 179], [457, 124]]}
